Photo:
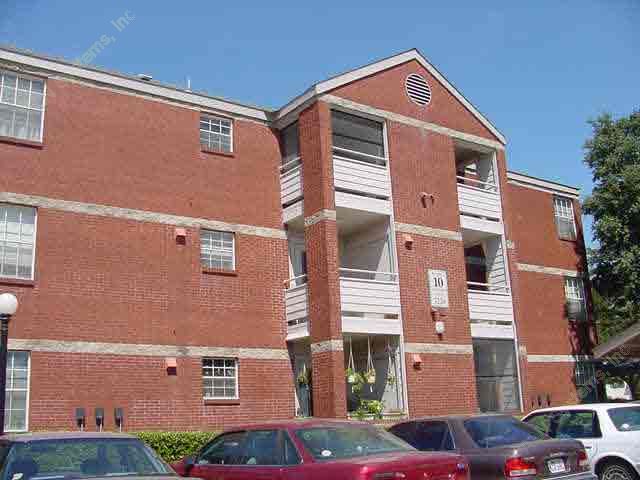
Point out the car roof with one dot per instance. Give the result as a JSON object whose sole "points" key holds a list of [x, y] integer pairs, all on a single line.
{"points": [[600, 407], [457, 417], [297, 424], [32, 437]]}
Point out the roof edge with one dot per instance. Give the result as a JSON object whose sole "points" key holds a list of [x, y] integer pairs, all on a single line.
{"points": [[381, 65], [617, 341], [530, 181]]}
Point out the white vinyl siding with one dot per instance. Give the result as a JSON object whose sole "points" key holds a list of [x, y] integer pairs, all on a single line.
{"points": [[563, 211], [17, 241], [21, 107], [216, 133], [16, 406], [217, 250], [220, 378]]}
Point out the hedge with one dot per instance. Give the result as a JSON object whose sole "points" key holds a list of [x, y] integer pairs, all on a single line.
{"points": [[172, 446]]}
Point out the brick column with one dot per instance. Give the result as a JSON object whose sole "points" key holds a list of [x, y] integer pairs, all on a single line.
{"points": [[321, 241]]}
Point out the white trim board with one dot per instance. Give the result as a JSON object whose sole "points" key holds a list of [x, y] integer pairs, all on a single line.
{"points": [[145, 350], [526, 267], [131, 84], [138, 215], [557, 358], [378, 66], [548, 186]]}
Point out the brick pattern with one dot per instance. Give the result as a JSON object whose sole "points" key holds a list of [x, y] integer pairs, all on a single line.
{"points": [[151, 397]]}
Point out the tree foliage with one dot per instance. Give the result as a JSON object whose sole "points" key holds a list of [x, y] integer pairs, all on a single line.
{"points": [[613, 155]]}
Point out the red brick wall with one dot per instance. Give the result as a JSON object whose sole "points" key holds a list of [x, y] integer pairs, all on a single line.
{"points": [[151, 398], [122, 150], [386, 91], [555, 380]]}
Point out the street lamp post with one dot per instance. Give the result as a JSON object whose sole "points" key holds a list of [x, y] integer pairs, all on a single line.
{"points": [[8, 306]]}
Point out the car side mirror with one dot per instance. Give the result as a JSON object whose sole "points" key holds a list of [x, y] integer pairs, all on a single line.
{"points": [[188, 463]]}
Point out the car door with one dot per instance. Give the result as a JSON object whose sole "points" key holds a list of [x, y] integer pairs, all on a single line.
{"points": [[262, 457], [582, 424], [217, 456]]}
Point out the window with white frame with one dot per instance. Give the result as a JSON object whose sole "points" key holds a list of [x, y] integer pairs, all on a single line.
{"points": [[17, 396], [574, 294], [563, 210], [17, 241], [21, 107], [217, 250], [220, 378], [216, 133]]}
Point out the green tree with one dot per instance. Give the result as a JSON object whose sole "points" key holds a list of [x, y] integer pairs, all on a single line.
{"points": [[613, 155]]}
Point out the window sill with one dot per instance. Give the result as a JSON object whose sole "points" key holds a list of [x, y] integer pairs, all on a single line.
{"points": [[213, 151], [20, 141], [213, 401], [217, 271], [17, 281]]}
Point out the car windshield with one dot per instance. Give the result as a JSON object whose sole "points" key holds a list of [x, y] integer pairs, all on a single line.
{"points": [[626, 419], [82, 458], [489, 432], [332, 443]]}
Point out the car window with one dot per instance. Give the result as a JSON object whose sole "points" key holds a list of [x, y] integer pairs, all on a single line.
{"points": [[227, 449], [406, 431], [540, 421], [431, 436], [332, 443], [263, 448], [575, 424], [489, 432], [82, 458], [625, 419]]}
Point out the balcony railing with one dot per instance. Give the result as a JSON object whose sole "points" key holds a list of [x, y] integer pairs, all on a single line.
{"points": [[490, 303], [296, 300], [361, 173], [291, 181], [478, 198], [369, 292]]}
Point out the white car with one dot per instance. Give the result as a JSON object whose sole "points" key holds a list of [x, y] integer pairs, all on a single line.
{"points": [[610, 432]]}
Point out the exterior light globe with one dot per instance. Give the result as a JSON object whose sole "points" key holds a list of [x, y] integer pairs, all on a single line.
{"points": [[8, 304]]}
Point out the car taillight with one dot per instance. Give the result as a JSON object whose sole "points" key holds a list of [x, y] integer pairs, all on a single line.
{"points": [[583, 460], [519, 467]]}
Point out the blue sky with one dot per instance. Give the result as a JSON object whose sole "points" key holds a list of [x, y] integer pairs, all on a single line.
{"points": [[537, 72]]}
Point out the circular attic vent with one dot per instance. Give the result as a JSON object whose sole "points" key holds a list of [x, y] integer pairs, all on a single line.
{"points": [[418, 90]]}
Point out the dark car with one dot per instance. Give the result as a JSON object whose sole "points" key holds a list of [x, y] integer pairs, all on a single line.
{"points": [[498, 447], [317, 450], [68, 456]]}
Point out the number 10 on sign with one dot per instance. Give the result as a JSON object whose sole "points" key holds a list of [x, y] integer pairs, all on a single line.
{"points": [[438, 289]]}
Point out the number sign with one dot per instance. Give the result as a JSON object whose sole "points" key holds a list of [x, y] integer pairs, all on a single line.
{"points": [[438, 289]]}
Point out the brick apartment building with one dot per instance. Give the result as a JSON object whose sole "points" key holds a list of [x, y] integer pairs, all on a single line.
{"points": [[198, 262]]}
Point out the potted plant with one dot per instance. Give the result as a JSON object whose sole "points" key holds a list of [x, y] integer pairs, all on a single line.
{"points": [[370, 376], [303, 377], [391, 380], [351, 376]]}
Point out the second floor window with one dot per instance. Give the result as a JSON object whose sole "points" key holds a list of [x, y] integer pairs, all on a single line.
{"points": [[574, 294], [21, 107], [290, 143], [216, 133], [563, 211], [357, 135], [217, 250], [220, 378], [17, 241]]}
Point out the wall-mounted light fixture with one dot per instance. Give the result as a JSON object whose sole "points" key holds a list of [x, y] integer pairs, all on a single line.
{"points": [[80, 418], [118, 415], [99, 418], [181, 236], [416, 359]]}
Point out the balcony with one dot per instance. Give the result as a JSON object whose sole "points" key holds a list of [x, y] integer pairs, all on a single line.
{"points": [[490, 310], [479, 199], [296, 303], [291, 189], [370, 301]]}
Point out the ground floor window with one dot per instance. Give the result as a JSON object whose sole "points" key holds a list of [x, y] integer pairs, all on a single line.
{"points": [[17, 395], [220, 378], [496, 375]]}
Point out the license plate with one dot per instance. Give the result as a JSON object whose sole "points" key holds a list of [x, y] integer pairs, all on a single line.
{"points": [[556, 465]]}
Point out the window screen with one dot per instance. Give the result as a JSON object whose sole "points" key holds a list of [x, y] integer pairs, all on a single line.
{"points": [[290, 143], [496, 375], [357, 134]]}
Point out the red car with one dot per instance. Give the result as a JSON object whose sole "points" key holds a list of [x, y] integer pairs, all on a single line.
{"points": [[317, 450]]}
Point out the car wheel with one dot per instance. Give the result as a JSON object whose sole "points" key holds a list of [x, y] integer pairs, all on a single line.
{"points": [[617, 471]]}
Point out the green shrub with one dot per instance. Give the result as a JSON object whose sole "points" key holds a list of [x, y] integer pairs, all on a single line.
{"points": [[172, 446]]}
